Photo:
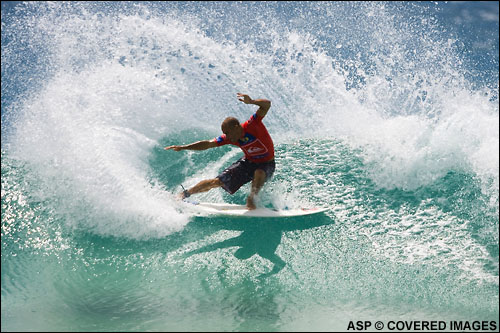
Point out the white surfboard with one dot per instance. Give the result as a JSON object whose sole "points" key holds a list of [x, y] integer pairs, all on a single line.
{"points": [[225, 209]]}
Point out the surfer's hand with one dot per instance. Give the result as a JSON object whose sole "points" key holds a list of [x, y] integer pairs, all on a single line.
{"points": [[176, 148], [246, 99]]}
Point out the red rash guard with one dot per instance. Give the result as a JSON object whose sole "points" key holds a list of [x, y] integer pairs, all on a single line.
{"points": [[256, 142]]}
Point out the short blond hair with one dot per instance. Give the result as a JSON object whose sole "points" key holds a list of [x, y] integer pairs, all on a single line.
{"points": [[229, 122]]}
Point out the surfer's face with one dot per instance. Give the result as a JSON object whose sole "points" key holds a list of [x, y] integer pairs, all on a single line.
{"points": [[233, 133]]}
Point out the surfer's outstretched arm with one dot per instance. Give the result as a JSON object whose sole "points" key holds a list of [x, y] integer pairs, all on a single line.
{"points": [[264, 104], [200, 145]]}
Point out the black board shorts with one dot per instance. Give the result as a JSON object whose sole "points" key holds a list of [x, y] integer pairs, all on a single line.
{"points": [[242, 172]]}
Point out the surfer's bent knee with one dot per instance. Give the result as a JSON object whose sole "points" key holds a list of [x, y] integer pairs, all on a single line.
{"points": [[259, 173], [216, 182]]}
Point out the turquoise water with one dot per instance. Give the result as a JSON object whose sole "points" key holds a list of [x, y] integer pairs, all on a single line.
{"points": [[385, 113]]}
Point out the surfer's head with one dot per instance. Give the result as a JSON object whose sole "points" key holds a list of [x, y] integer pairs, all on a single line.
{"points": [[232, 128]]}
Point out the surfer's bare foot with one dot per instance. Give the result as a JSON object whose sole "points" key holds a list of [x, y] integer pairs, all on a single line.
{"points": [[250, 203], [183, 195]]}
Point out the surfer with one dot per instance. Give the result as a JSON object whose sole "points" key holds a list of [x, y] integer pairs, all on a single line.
{"points": [[252, 137]]}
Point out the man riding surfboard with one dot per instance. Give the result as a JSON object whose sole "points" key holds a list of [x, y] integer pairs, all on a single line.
{"points": [[252, 137]]}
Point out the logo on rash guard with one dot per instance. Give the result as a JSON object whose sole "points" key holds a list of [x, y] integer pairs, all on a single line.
{"points": [[255, 148]]}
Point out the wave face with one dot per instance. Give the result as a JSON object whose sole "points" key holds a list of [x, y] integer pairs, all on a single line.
{"points": [[385, 112]]}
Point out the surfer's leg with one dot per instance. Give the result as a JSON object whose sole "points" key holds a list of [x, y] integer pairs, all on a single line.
{"points": [[263, 172], [258, 180], [259, 177], [204, 186]]}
